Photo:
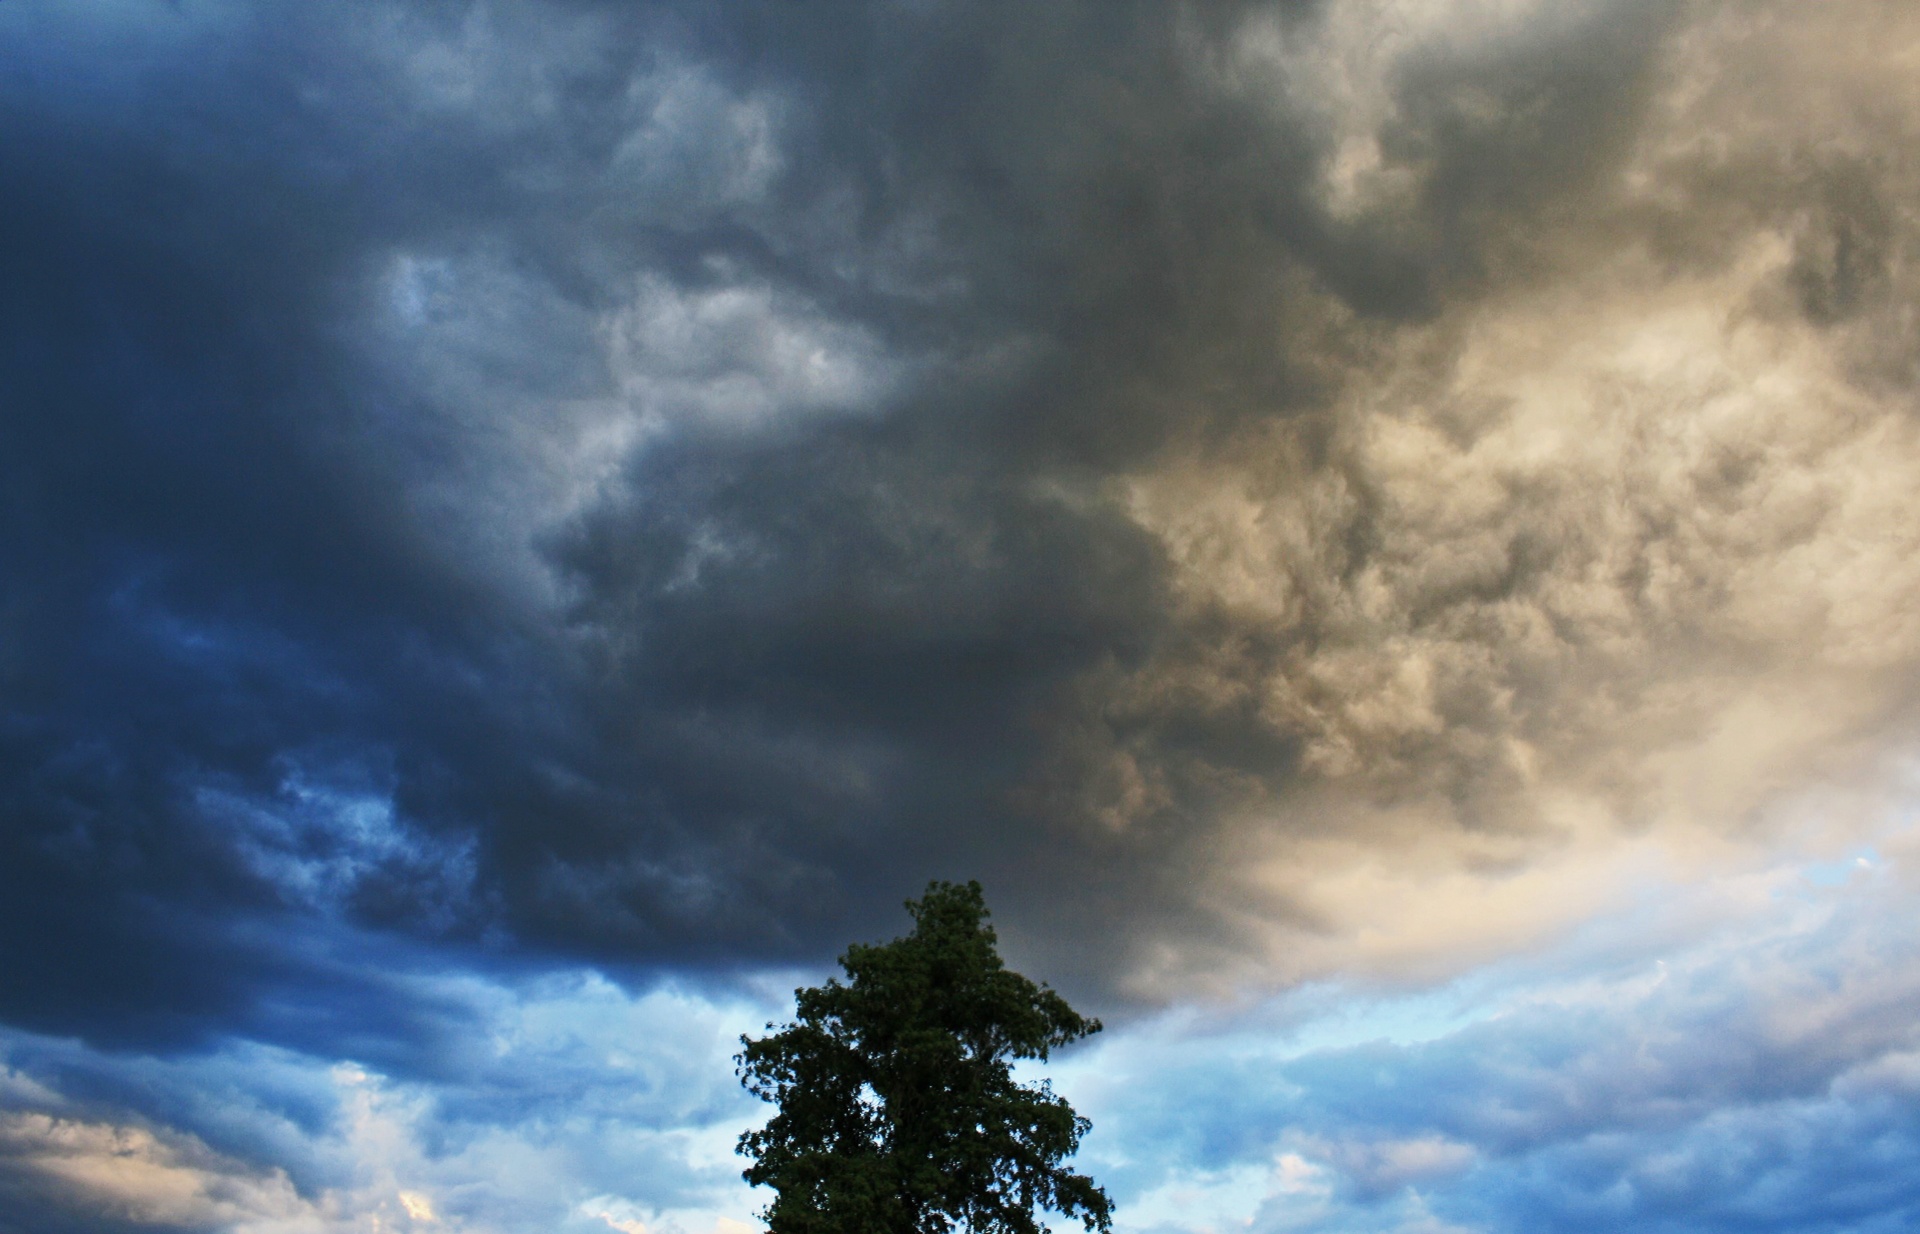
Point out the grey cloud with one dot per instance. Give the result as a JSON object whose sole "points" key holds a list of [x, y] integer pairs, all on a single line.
{"points": [[1150, 242], [660, 483]]}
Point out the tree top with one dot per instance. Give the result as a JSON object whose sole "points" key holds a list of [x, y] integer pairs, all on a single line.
{"points": [[898, 1111]]}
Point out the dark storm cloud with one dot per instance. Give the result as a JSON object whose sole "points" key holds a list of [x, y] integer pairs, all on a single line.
{"points": [[212, 592], [252, 685], [893, 644], [659, 483]]}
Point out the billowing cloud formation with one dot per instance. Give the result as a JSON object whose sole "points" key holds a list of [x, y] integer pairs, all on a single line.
{"points": [[141, 1178], [1620, 539], [1283, 491], [564, 1104], [1729, 1083], [631, 481]]}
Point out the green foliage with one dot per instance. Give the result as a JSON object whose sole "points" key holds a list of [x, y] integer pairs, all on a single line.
{"points": [[899, 1113]]}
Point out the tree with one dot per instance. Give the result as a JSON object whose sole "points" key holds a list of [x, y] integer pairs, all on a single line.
{"points": [[898, 1112]]}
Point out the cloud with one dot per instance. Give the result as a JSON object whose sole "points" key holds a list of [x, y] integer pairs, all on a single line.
{"points": [[147, 1180], [1277, 490], [1609, 542], [1724, 1077], [561, 1088], [522, 518], [733, 358]]}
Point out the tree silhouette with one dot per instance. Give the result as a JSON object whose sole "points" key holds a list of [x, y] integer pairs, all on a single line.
{"points": [[898, 1111]]}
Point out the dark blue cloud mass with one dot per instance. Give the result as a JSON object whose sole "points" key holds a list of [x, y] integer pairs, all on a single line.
{"points": [[292, 298]]}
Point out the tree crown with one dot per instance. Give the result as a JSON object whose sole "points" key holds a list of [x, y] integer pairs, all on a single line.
{"points": [[898, 1111]]}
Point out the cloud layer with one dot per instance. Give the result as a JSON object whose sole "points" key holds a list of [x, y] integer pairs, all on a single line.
{"points": [[1292, 492], [1757, 1076]]}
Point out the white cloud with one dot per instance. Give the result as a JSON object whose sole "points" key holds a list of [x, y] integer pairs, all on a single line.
{"points": [[564, 1088], [740, 356], [135, 1174], [1723, 1050]]}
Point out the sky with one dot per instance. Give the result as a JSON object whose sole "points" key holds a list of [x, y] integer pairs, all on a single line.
{"points": [[1384, 533]]}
